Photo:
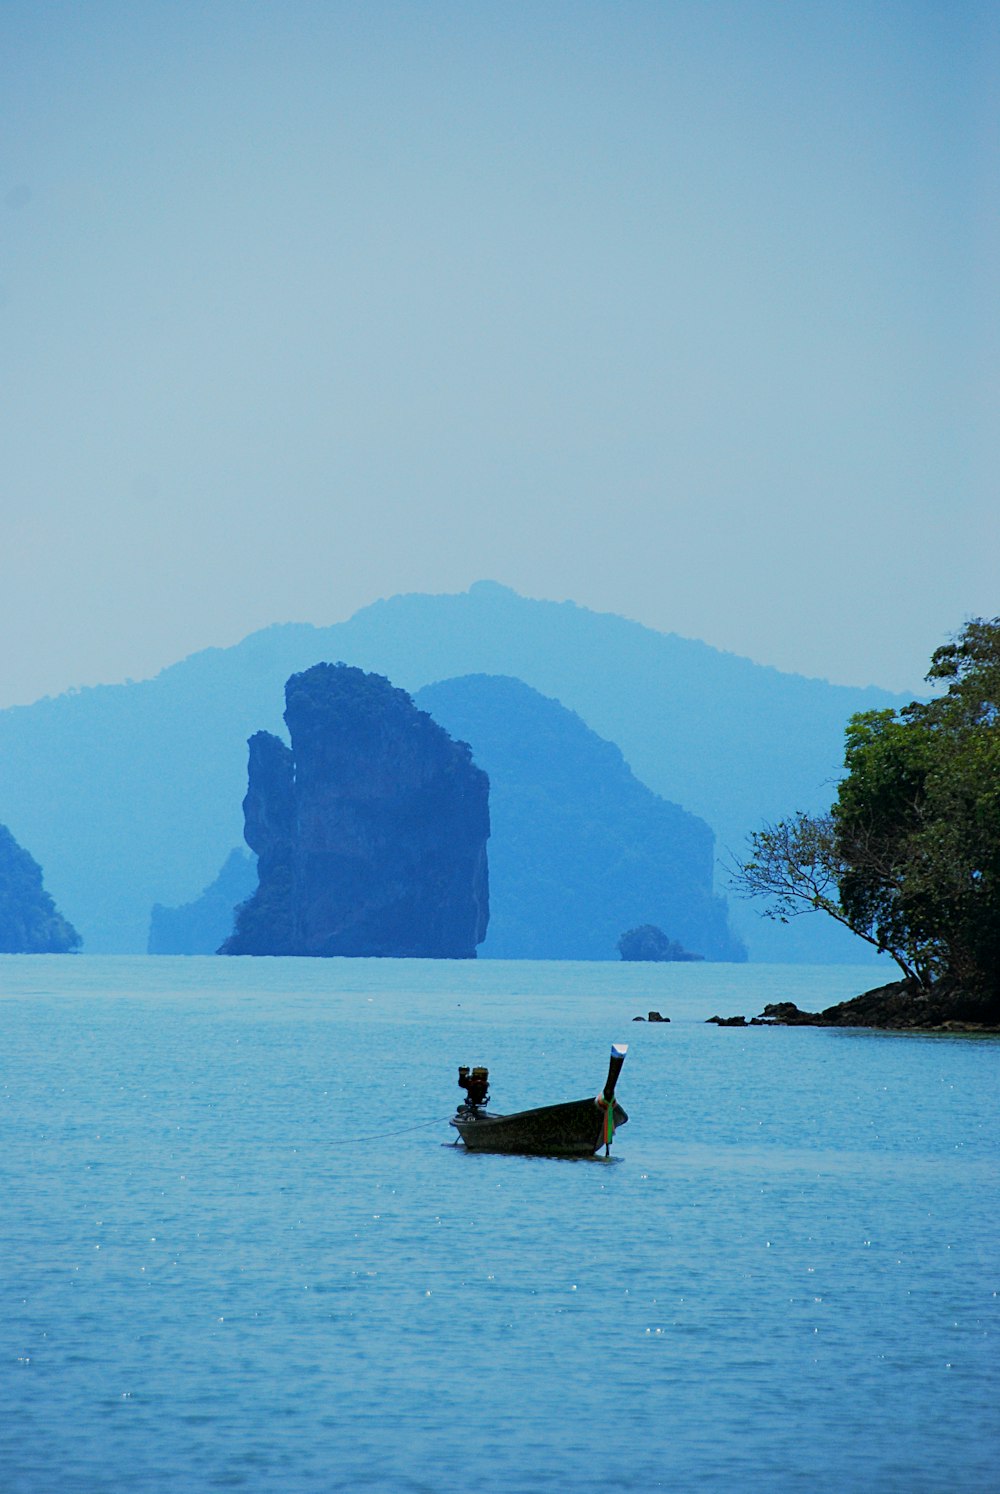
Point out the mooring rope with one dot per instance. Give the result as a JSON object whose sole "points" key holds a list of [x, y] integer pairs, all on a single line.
{"points": [[378, 1135]]}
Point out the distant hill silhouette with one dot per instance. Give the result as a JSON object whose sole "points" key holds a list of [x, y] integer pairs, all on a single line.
{"points": [[130, 794], [580, 848], [199, 927]]}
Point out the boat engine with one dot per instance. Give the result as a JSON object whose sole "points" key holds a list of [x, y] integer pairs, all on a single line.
{"points": [[476, 1084]]}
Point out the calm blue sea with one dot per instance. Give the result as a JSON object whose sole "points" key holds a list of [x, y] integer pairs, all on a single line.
{"points": [[236, 1254]]}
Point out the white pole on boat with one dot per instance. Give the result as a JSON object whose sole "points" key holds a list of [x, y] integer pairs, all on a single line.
{"points": [[607, 1099]]}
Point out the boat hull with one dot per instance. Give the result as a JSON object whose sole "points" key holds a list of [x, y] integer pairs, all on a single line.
{"points": [[575, 1129]]}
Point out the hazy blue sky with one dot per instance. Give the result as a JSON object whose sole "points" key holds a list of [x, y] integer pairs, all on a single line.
{"points": [[686, 311]]}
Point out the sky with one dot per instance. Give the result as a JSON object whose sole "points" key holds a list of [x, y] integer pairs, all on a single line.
{"points": [[683, 310]]}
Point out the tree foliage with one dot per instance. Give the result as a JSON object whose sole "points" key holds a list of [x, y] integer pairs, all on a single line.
{"points": [[908, 856]]}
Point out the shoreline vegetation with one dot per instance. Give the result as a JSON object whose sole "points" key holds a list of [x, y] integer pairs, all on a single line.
{"points": [[908, 855]]}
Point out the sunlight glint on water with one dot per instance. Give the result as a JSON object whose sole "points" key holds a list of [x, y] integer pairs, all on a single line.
{"points": [[784, 1279]]}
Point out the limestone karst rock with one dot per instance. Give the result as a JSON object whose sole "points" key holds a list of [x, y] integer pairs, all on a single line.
{"points": [[130, 794], [370, 829], [30, 923]]}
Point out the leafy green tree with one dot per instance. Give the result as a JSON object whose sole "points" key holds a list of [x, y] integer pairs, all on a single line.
{"points": [[923, 787], [909, 855]]}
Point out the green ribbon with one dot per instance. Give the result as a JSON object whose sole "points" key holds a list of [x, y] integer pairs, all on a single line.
{"points": [[608, 1106]]}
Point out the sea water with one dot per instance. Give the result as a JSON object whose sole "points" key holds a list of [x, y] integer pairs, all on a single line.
{"points": [[239, 1251]]}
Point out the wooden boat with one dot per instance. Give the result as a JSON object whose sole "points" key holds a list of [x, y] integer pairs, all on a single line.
{"points": [[575, 1129]]}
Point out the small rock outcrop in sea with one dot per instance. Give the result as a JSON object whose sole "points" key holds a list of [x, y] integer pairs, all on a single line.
{"points": [[30, 922], [370, 829], [727, 1021], [199, 927], [900, 1005], [647, 942]]}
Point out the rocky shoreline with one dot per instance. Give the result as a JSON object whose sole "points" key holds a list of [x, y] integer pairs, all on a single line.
{"points": [[901, 1006]]}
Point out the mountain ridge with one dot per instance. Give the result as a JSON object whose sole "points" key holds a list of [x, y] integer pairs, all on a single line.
{"points": [[318, 630], [130, 794], [580, 849]]}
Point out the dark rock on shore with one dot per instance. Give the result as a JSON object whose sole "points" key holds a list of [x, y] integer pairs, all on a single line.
{"points": [[370, 829], [901, 1005]]}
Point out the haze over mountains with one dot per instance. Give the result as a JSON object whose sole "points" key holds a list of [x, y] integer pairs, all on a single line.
{"points": [[580, 849], [200, 926], [130, 795]]}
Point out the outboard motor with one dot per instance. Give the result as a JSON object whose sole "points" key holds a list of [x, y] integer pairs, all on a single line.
{"points": [[476, 1084]]}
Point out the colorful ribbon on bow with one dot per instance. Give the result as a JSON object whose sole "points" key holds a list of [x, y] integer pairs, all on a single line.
{"points": [[608, 1106]]}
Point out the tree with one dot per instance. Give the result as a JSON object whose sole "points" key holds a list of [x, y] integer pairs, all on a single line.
{"points": [[923, 785], [796, 864], [908, 856]]}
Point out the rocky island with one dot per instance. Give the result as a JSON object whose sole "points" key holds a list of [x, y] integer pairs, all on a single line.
{"points": [[30, 922], [649, 942], [370, 829]]}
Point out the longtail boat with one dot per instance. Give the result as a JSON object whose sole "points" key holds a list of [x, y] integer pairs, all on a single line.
{"points": [[575, 1129]]}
